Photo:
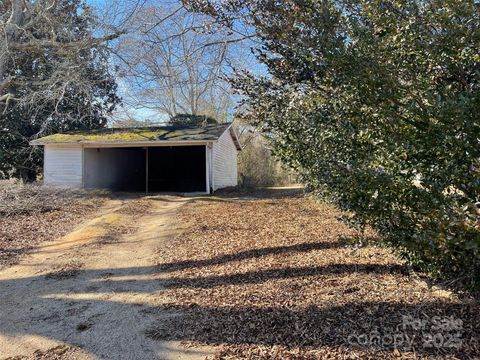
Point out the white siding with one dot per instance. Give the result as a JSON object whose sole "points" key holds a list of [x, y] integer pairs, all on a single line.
{"points": [[224, 162], [63, 165]]}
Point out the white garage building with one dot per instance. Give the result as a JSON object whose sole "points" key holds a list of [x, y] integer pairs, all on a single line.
{"points": [[155, 159]]}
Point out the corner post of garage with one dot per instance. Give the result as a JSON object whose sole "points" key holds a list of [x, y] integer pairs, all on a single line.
{"points": [[207, 165], [146, 170]]}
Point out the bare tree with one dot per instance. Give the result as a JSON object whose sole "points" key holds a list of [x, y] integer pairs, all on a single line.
{"points": [[174, 64], [174, 60]]}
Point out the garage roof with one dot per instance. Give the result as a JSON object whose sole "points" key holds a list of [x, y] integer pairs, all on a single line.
{"points": [[177, 133]]}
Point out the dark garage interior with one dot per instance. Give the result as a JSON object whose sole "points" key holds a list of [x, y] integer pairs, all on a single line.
{"points": [[177, 168], [170, 169]]}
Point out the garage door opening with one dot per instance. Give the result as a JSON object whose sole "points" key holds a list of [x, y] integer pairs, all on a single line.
{"points": [[176, 168], [116, 169], [153, 169]]}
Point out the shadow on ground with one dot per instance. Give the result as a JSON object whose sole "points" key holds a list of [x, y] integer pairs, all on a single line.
{"points": [[355, 326], [365, 325]]}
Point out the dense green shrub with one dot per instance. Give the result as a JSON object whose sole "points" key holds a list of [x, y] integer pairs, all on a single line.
{"points": [[377, 105]]}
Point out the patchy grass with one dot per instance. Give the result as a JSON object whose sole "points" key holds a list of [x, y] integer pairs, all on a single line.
{"points": [[31, 214], [272, 277]]}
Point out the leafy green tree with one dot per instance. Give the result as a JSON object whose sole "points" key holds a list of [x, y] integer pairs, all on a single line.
{"points": [[376, 104], [54, 76]]}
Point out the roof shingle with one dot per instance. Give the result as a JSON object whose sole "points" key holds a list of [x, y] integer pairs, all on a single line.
{"points": [[208, 132]]}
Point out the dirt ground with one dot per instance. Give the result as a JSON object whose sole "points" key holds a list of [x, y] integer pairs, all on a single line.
{"points": [[36, 215], [89, 294], [266, 275], [273, 275]]}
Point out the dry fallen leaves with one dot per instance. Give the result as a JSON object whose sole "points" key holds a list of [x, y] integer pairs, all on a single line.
{"points": [[274, 277], [30, 214]]}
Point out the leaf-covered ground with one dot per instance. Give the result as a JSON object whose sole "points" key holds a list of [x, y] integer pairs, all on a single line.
{"points": [[277, 277], [31, 214]]}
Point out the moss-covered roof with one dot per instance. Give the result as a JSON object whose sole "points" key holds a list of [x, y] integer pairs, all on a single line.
{"points": [[136, 135]]}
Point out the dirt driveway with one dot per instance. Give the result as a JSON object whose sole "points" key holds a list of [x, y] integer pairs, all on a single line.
{"points": [[89, 294], [267, 275]]}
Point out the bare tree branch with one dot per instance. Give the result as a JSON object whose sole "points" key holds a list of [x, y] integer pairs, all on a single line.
{"points": [[176, 66]]}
